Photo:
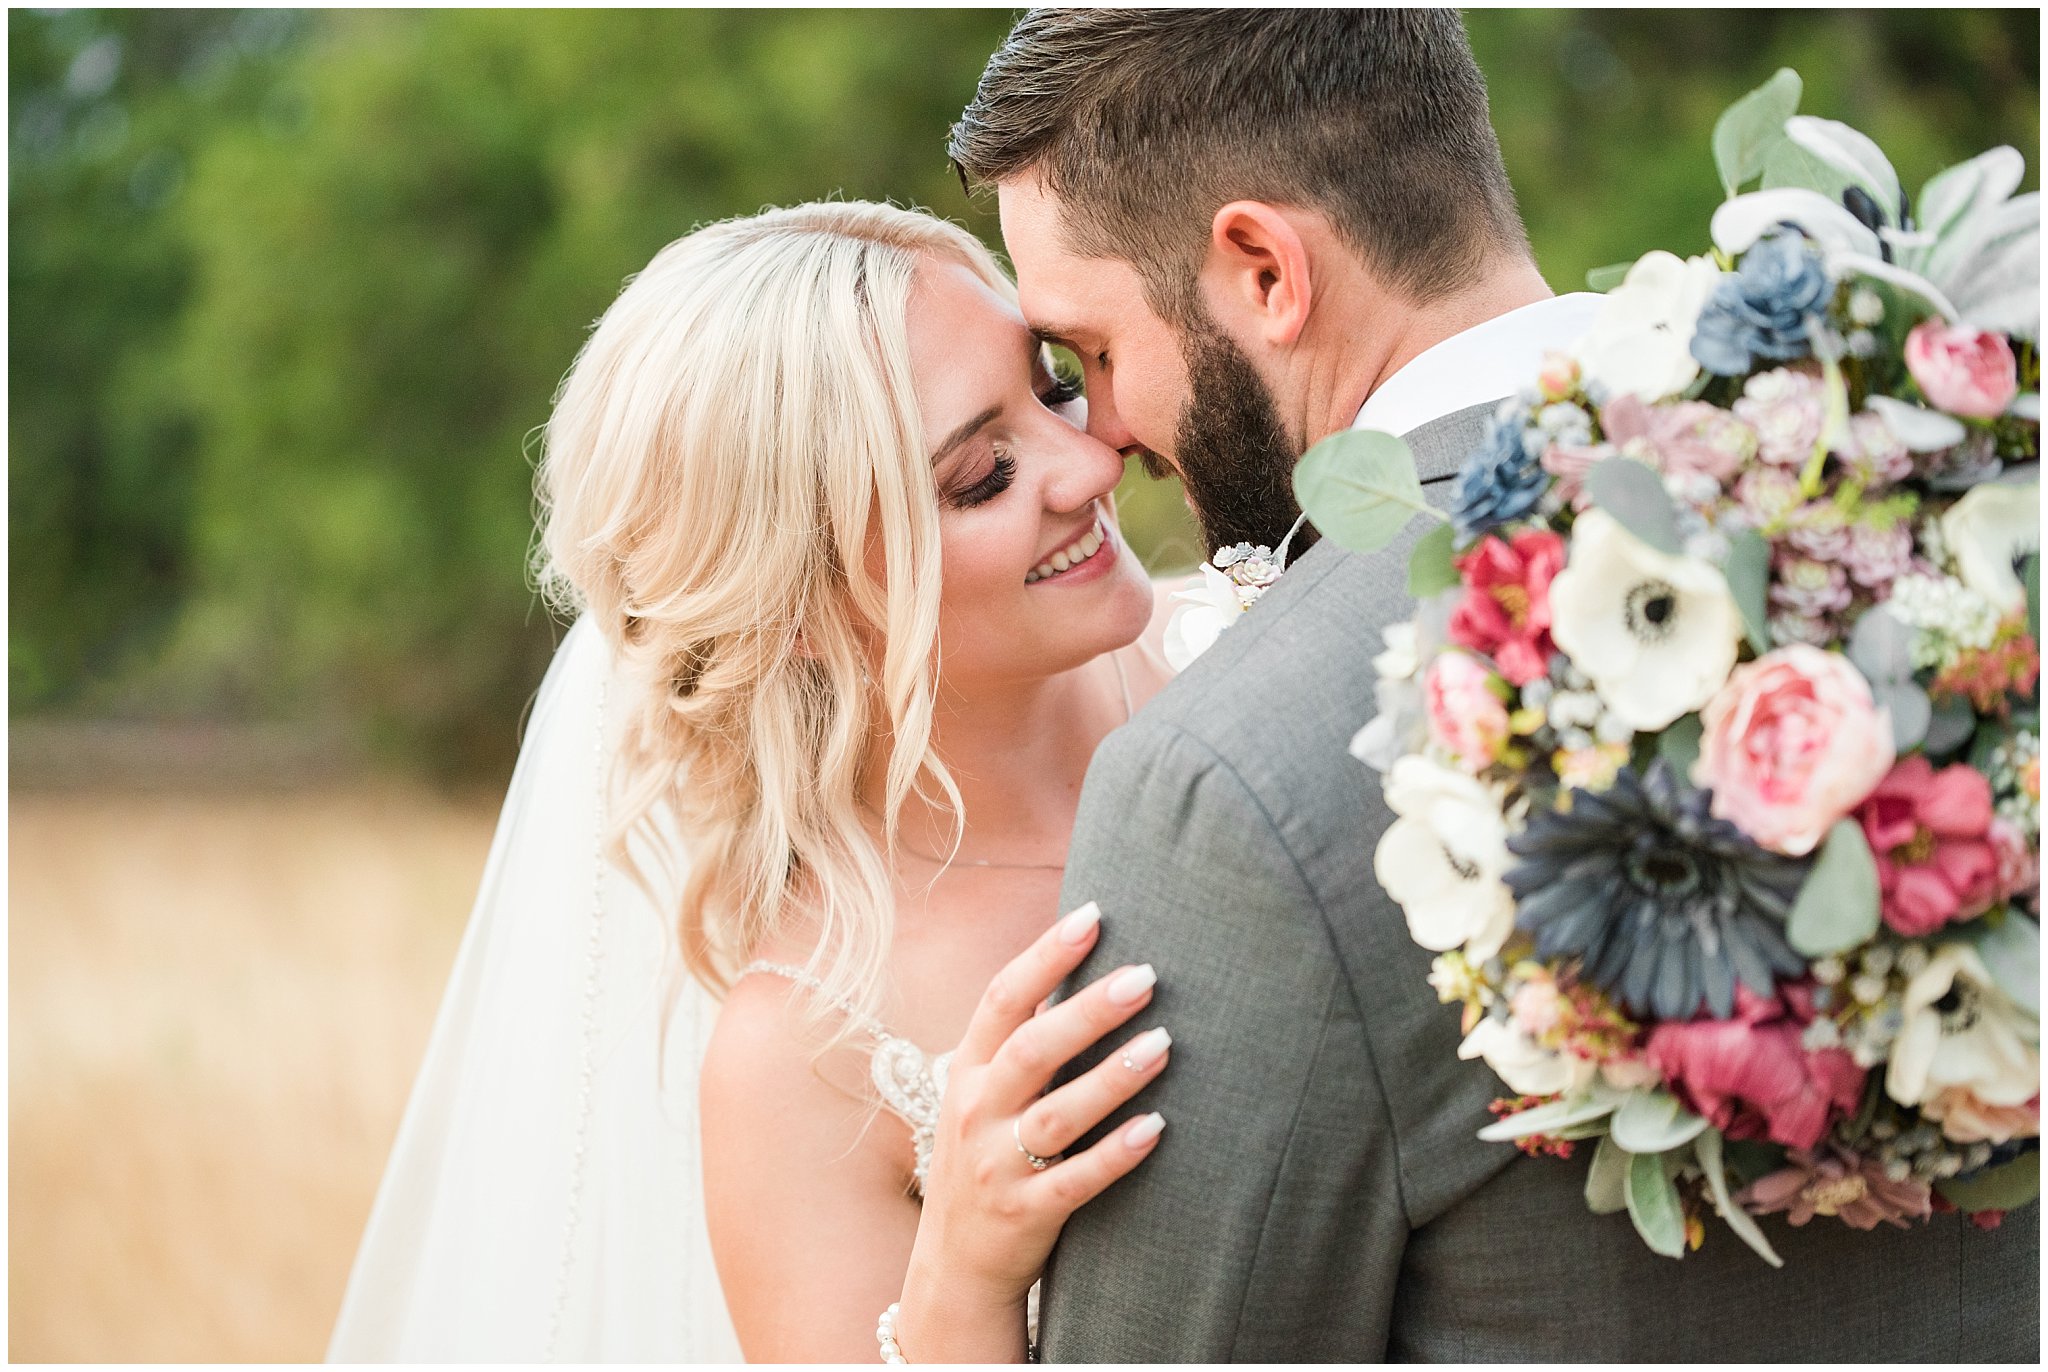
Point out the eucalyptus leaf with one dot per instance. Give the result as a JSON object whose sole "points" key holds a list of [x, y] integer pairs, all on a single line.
{"points": [[1635, 496], [1605, 279], [1654, 1122], [1707, 1148], [1607, 1180], [1951, 726], [1360, 489], [1653, 1205], [1996, 1188], [1679, 744], [1837, 906], [1751, 125], [1882, 647], [1432, 567], [1547, 1119], [2011, 949], [1909, 709], [1748, 572]]}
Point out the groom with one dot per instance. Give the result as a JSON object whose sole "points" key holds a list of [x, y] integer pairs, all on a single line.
{"points": [[1256, 228]]}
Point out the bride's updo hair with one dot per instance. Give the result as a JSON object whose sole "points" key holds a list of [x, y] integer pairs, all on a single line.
{"points": [[739, 426]]}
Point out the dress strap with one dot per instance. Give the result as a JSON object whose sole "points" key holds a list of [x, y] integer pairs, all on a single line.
{"points": [[789, 972]]}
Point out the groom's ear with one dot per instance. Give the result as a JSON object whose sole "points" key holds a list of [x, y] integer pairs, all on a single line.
{"points": [[1256, 277]]}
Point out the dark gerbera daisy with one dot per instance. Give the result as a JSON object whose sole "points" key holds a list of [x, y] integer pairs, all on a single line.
{"points": [[1664, 905]]}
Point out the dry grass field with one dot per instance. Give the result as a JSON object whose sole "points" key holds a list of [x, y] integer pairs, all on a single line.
{"points": [[216, 1005]]}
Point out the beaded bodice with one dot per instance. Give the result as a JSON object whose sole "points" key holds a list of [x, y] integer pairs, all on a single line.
{"points": [[910, 1082]]}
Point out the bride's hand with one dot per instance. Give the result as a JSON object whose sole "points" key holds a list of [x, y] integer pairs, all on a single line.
{"points": [[990, 1213]]}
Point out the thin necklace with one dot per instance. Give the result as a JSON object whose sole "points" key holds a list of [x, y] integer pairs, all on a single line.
{"points": [[984, 862]]}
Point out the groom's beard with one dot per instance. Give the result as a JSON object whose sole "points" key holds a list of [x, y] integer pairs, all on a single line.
{"points": [[1236, 460]]}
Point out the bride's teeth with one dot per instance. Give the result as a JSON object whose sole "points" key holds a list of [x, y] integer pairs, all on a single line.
{"points": [[1060, 562]]}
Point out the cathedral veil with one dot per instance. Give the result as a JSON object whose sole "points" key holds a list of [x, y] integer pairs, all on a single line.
{"points": [[544, 1199]]}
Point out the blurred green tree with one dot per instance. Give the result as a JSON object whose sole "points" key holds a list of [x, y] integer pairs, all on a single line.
{"points": [[291, 292]]}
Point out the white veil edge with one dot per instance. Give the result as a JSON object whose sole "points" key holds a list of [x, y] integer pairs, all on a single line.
{"points": [[544, 1199]]}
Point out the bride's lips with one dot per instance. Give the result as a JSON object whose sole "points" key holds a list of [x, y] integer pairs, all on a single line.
{"points": [[1093, 567]]}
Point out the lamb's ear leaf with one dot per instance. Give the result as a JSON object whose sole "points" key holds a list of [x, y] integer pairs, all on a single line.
{"points": [[1707, 1148], [1607, 1180], [1653, 1205]]}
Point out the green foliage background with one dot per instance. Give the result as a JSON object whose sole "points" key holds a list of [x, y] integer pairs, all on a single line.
{"points": [[289, 292]]}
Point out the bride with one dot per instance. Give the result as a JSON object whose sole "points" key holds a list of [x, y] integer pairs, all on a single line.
{"points": [[790, 815]]}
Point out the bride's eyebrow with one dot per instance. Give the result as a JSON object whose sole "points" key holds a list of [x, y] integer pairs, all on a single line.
{"points": [[965, 432]]}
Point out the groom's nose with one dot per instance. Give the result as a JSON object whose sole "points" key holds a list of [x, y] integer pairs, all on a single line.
{"points": [[1105, 425]]}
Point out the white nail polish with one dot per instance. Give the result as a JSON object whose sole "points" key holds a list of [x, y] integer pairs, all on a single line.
{"points": [[1131, 983], [1142, 1132], [1147, 1049], [1074, 928]]}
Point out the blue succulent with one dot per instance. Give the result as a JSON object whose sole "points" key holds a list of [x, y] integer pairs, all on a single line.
{"points": [[1760, 311], [1501, 480], [1665, 906]]}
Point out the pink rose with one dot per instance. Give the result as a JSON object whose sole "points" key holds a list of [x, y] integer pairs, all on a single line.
{"points": [[1466, 716], [1689, 437], [1750, 1077], [1930, 834], [1966, 371], [1791, 743], [1506, 610]]}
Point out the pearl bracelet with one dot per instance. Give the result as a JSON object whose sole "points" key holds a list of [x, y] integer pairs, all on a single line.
{"points": [[885, 1333]]}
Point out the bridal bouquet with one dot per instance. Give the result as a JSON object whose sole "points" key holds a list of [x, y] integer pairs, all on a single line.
{"points": [[1713, 746]]}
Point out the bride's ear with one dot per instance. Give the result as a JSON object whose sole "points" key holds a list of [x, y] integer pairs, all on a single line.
{"points": [[1256, 275]]}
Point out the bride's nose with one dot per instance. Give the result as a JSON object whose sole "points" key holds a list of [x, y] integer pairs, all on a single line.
{"points": [[1085, 469]]}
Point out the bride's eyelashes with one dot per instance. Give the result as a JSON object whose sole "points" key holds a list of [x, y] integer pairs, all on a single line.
{"points": [[998, 480], [1063, 391]]}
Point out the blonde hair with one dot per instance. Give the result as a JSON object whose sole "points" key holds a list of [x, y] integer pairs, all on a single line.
{"points": [[739, 423]]}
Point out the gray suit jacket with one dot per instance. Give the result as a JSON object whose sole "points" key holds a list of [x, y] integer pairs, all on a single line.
{"points": [[1319, 1194]]}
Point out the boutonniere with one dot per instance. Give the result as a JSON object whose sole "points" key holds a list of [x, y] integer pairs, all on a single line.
{"points": [[1232, 582]]}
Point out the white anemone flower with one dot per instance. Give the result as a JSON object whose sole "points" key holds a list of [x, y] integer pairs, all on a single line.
{"points": [[1657, 634], [1641, 341], [1528, 1068], [1988, 532], [1443, 857], [1961, 1031]]}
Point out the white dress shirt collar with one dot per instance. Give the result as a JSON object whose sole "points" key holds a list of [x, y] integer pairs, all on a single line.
{"points": [[1489, 361]]}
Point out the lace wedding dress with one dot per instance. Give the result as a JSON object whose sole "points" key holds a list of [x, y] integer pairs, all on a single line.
{"points": [[544, 1199]]}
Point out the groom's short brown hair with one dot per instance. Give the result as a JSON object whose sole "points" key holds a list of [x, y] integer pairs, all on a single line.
{"points": [[1144, 122]]}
